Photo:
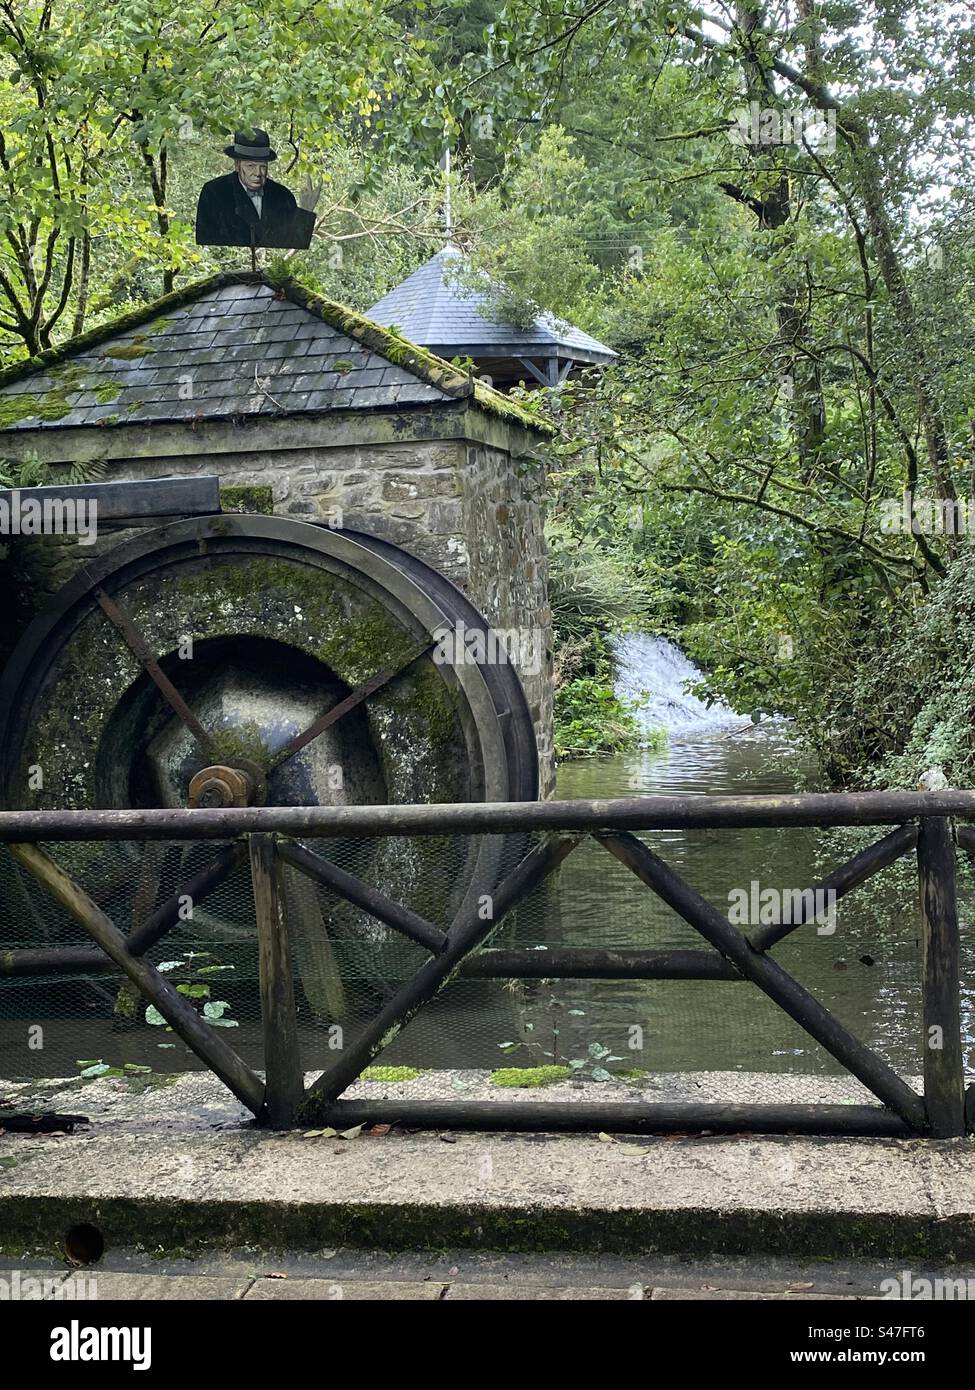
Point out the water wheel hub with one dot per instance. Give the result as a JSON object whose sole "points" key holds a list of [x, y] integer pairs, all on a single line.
{"points": [[218, 786]]}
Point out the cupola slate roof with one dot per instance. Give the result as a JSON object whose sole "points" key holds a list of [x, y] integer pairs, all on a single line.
{"points": [[433, 308], [234, 345]]}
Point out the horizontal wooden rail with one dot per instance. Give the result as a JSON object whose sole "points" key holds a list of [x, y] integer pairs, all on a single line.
{"points": [[143, 500], [625, 1117], [488, 818], [590, 963], [557, 963]]}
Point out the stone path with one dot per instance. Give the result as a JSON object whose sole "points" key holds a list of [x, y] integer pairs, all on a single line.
{"points": [[459, 1276]]}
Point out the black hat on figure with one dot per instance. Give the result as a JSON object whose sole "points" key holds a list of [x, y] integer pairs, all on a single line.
{"points": [[251, 144]]}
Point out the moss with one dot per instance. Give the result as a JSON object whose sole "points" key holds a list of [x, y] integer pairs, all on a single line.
{"points": [[127, 1001], [13, 409], [137, 1085], [530, 1076], [358, 648], [107, 392], [70, 378], [431, 699], [391, 1073], [53, 406], [137, 348], [240, 741], [236, 498]]}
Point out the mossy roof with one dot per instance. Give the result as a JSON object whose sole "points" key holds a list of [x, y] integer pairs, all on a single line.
{"points": [[236, 344]]}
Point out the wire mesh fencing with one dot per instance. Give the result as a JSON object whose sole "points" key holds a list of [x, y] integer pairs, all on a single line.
{"points": [[480, 1036]]}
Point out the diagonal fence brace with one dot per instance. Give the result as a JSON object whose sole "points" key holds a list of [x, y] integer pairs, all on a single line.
{"points": [[765, 972], [178, 1012]]}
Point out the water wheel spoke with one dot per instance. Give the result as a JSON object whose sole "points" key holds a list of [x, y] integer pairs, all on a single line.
{"points": [[137, 644], [354, 698]]}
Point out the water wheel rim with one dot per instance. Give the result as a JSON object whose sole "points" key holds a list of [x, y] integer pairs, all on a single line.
{"points": [[40, 645]]}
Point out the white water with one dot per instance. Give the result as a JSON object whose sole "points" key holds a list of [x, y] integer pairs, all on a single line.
{"points": [[654, 672]]}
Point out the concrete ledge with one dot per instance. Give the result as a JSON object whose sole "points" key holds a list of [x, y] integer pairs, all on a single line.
{"points": [[176, 1171], [183, 1226]]}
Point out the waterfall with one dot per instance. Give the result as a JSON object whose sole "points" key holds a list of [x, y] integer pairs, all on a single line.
{"points": [[654, 672]]}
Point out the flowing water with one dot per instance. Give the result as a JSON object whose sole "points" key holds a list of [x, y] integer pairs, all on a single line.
{"points": [[866, 970]]}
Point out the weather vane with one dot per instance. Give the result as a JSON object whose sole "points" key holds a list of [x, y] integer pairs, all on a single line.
{"points": [[248, 208]]}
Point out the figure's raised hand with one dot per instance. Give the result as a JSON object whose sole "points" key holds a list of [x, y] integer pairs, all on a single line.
{"points": [[309, 195]]}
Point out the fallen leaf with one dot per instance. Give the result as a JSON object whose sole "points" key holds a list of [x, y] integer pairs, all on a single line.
{"points": [[275, 1276], [379, 1131], [606, 1138], [447, 1138], [352, 1133], [319, 1134]]}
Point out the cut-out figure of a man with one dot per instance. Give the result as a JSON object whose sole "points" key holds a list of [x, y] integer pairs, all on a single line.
{"points": [[246, 208]]}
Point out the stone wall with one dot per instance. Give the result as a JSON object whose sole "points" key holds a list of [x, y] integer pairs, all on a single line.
{"points": [[461, 492]]}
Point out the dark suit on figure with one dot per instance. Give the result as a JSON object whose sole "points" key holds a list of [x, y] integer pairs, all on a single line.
{"points": [[226, 216]]}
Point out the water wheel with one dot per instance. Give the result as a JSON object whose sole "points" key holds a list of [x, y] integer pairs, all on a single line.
{"points": [[239, 660]]}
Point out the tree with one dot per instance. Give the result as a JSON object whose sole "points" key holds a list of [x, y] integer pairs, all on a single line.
{"points": [[99, 102], [795, 362]]}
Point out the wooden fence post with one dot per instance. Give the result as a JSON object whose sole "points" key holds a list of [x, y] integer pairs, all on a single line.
{"points": [[282, 1058], [944, 1074]]}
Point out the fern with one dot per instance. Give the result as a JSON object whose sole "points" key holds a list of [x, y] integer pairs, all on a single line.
{"points": [[31, 472]]}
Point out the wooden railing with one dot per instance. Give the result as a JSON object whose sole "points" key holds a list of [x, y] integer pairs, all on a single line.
{"points": [[922, 824]]}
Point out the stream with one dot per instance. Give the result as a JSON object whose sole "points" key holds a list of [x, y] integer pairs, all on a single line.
{"points": [[867, 971]]}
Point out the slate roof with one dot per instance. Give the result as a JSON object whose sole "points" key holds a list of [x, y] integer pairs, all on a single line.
{"points": [[233, 345], [430, 307]]}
